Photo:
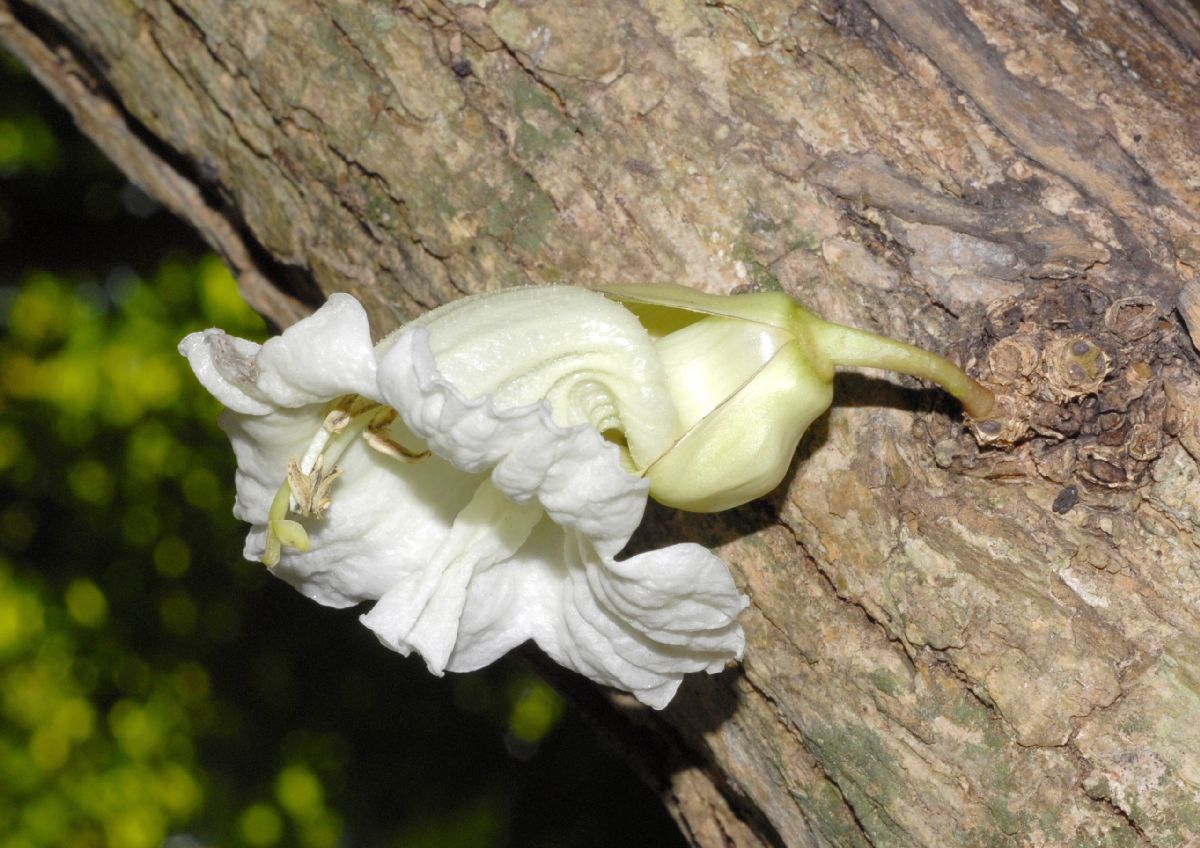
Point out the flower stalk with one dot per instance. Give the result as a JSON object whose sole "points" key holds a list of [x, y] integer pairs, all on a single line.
{"points": [[849, 347]]}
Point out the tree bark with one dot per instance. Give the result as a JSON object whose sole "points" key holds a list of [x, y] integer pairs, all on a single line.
{"points": [[955, 638]]}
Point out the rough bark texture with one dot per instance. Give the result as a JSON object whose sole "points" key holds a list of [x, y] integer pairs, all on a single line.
{"points": [[954, 639]]}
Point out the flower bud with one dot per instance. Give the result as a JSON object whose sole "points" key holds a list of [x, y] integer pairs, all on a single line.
{"points": [[748, 374]]}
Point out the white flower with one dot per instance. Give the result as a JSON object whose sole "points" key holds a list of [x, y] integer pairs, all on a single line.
{"points": [[477, 473], [474, 475]]}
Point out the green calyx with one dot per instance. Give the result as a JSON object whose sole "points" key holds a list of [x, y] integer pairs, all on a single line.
{"points": [[748, 375]]}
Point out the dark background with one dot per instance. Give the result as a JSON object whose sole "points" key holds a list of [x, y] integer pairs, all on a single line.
{"points": [[155, 688]]}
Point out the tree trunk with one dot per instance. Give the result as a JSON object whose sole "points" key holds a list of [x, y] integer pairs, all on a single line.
{"points": [[954, 638]]}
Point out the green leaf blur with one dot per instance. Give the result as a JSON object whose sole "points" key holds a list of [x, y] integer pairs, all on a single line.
{"points": [[157, 689]]}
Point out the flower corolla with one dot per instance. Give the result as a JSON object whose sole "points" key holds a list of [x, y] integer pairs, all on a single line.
{"points": [[476, 475]]}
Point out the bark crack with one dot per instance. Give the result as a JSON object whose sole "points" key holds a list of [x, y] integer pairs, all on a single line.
{"points": [[522, 62], [846, 598], [1120, 812], [1042, 123], [859, 823], [357, 50], [793, 730]]}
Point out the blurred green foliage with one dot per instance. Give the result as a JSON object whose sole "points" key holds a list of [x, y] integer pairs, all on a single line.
{"points": [[156, 689]]}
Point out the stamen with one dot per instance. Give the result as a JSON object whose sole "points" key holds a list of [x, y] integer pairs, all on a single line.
{"points": [[311, 491], [388, 446], [377, 437], [314, 451], [336, 420], [307, 487]]}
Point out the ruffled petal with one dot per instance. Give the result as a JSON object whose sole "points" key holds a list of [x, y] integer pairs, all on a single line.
{"points": [[553, 591], [573, 472], [630, 652], [423, 610], [325, 355], [225, 365], [578, 351], [512, 601], [680, 595]]}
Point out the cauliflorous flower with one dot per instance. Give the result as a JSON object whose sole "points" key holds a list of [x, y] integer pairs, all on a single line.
{"points": [[476, 476], [477, 473]]}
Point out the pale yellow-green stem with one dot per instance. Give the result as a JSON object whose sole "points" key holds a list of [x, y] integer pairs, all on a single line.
{"points": [[847, 346]]}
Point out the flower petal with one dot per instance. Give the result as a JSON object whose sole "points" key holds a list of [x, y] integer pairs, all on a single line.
{"points": [[547, 592], [679, 595], [574, 473], [225, 366], [327, 354], [317, 359], [423, 610], [583, 354], [629, 651]]}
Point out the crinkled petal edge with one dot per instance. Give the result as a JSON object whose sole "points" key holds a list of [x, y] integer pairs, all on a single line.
{"points": [[573, 472]]}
